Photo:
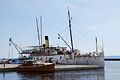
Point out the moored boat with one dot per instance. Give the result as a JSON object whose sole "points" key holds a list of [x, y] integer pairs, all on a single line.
{"points": [[35, 67]]}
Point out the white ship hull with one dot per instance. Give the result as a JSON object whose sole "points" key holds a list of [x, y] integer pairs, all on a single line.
{"points": [[98, 60], [76, 60]]}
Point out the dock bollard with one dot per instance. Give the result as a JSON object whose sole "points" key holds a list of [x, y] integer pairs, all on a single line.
{"points": [[4, 65]]}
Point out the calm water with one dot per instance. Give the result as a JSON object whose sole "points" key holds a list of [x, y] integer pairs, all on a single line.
{"points": [[111, 72]]}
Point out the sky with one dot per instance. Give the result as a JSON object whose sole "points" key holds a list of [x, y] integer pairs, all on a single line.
{"points": [[90, 18]]}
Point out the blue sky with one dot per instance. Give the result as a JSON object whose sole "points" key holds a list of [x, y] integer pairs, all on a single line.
{"points": [[90, 18]]}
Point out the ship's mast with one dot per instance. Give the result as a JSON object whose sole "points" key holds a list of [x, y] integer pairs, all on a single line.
{"points": [[96, 45], [102, 47], [70, 29], [41, 29], [38, 31]]}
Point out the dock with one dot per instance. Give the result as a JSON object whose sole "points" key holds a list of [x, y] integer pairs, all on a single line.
{"points": [[112, 59], [12, 67], [75, 67], [8, 67]]}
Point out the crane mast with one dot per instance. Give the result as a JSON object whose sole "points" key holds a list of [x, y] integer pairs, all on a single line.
{"points": [[64, 41], [15, 45]]}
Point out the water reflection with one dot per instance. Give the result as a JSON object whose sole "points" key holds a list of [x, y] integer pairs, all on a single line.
{"points": [[35, 76], [97, 74], [3, 75]]}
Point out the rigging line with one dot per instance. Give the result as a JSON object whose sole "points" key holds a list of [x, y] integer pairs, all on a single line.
{"points": [[76, 41], [64, 30], [89, 35], [85, 37]]}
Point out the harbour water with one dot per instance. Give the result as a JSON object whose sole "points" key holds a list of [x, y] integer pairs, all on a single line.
{"points": [[110, 72]]}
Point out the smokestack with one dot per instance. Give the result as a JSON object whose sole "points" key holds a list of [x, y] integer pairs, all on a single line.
{"points": [[46, 41]]}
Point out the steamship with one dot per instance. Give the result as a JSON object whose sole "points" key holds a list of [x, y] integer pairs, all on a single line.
{"points": [[60, 55]]}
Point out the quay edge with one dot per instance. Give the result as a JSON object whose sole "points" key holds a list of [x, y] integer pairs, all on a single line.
{"points": [[12, 68]]}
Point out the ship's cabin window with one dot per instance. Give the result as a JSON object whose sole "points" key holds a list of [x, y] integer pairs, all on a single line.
{"points": [[60, 53]]}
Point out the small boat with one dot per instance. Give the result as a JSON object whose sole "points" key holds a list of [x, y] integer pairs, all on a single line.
{"points": [[35, 67]]}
